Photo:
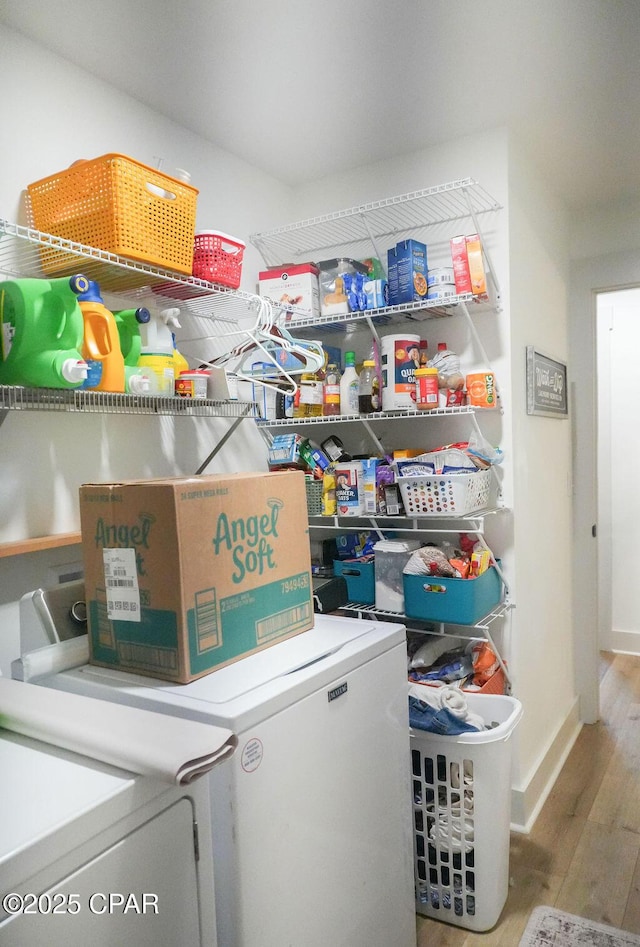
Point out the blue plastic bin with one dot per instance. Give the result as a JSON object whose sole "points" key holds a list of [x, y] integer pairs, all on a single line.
{"points": [[360, 578], [458, 601]]}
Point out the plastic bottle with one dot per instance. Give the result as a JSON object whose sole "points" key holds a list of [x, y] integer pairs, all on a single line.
{"points": [[331, 391], [41, 333], [101, 344], [349, 385], [329, 507], [158, 351], [137, 380], [427, 396], [368, 388], [448, 365], [309, 395]]}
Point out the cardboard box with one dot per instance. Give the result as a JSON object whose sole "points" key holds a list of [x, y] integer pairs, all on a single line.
{"points": [[461, 274], [186, 575], [476, 265], [411, 258], [293, 286]]}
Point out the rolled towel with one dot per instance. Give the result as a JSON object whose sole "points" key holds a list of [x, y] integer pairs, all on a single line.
{"points": [[456, 703], [454, 700], [428, 695]]}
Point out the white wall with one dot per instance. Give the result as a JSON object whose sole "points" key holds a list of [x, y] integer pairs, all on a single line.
{"points": [[53, 113], [542, 645]]}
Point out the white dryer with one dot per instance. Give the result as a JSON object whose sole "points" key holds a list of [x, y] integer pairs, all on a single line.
{"points": [[311, 816], [91, 854]]}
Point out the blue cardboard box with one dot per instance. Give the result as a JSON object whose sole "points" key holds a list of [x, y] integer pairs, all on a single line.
{"points": [[410, 259], [457, 601], [360, 578]]}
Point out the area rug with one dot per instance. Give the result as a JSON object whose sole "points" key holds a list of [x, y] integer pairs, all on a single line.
{"points": [[548, 927]]}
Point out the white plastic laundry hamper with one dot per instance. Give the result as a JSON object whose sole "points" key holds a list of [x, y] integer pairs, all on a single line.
{"points": [[461, 816]]}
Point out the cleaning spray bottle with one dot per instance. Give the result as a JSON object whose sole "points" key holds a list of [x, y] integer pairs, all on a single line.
{"points": [[101, 344], [158, 352], [41, 334], [138, 381]]}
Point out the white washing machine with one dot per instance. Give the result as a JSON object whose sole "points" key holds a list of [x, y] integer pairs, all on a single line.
{"points": [[91, 854], [311, 816]]}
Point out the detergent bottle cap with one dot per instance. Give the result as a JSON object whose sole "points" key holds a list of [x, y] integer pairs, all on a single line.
{"points": [[89, 295]]}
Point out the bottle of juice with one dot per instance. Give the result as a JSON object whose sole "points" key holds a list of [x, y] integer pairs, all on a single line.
{"points": [[331, 391], [368, 388], [349, 385]]}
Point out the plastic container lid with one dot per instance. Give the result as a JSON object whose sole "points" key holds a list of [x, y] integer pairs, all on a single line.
{"points": [[396, 545], [219, 233]]}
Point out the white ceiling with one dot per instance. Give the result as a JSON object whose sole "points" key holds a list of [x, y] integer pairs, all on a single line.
{"points": [[304, 89]]}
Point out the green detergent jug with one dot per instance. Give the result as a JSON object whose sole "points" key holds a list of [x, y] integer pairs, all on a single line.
{"points": [[41, 333]]}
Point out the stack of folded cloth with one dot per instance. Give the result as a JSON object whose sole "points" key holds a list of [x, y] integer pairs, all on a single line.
{"points": [[441, 710]]}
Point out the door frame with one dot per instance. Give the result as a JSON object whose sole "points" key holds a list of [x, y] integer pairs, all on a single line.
{"points": [[588, 277]]}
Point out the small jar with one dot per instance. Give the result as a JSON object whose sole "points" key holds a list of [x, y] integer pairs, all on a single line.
{"points": [[192, 384], [427, 391]]}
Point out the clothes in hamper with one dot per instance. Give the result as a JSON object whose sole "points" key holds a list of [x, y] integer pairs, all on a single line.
{"points": [[441, 710]]}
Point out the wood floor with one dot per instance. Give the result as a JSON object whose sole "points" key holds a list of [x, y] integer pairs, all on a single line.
{"points": [[583, 853]]}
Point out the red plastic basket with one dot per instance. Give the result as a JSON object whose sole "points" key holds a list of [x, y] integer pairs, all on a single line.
{"points": [[217, 258]]}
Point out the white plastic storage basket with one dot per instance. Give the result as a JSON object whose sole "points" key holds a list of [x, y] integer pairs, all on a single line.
{"points": [[445, 494], [461, 816]]}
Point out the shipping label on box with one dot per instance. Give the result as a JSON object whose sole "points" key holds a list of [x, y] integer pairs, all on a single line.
{"points": [[185, 575], [296, 286]]}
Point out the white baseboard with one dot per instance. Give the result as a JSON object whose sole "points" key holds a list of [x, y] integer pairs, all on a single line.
{"points": [[623, 642], [527, 802]]}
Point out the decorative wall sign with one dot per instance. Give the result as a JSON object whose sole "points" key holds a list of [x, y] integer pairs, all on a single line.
{"points": [[546, 385]]}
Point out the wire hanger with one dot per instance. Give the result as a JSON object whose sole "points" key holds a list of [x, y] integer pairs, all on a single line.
{"points": [[288, 356]]}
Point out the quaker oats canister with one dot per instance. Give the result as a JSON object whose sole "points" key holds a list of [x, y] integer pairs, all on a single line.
{"points": [[400, 356]]}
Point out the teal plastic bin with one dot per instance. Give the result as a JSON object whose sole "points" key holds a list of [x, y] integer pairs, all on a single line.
{"points": [[360, 578], [458, 601]]}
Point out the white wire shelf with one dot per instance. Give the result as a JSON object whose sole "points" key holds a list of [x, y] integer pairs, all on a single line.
{"points": [[295, 319], [407, 524], [434, 627], [356, 226], [28, 252], [83, 401], [376, 416]]}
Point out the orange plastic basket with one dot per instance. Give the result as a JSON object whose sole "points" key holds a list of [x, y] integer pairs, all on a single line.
{"points": [[495, 685], [117, 204]]}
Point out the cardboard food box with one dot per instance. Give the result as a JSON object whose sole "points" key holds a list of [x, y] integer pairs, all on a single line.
{"points": [[186, 575], [296, 286], [460, 260], [411, 258]]}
